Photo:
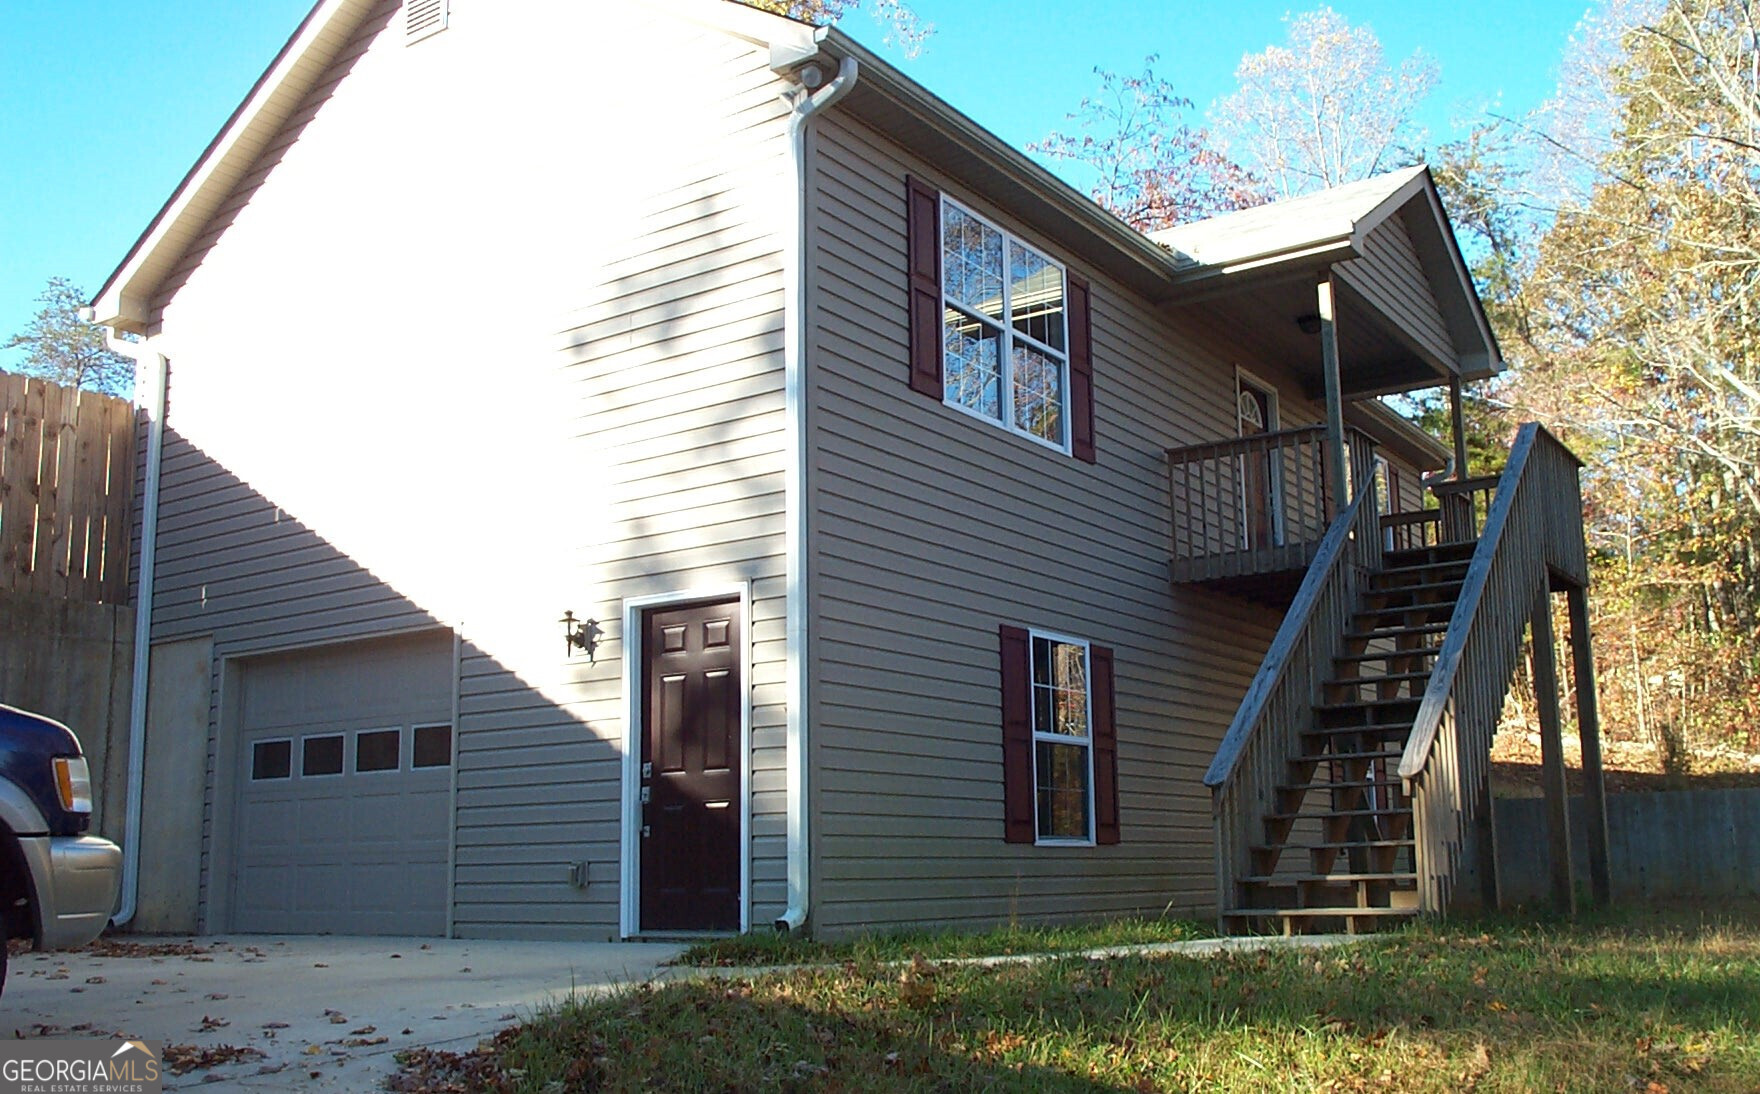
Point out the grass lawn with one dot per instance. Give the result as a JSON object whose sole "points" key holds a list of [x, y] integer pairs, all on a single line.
{"points": [[1641, 1001], [769, 948]]}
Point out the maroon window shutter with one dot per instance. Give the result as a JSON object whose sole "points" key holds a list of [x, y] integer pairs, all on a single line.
{"points": [[1017, 737], [1081, 371], [1105, 747], [923, 243]]}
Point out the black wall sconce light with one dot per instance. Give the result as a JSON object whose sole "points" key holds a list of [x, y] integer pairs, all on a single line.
{"points": [[1310, 324], [580, 634]]}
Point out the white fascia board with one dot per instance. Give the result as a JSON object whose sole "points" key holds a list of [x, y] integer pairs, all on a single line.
{"points": [[125, 299]]}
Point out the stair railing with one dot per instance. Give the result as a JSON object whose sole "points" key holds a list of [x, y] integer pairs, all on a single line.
{"points": [[1533, 528], [1254, 755]]}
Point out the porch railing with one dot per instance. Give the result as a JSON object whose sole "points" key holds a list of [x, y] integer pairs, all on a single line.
{"points": [[1463, 505], [1255, 752], [1254, 505], [1532, 527]]}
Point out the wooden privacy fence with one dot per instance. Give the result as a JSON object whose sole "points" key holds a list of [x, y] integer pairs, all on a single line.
{"points": [[66, 491]]}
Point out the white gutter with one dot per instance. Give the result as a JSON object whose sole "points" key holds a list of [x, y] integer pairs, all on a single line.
{"points": [[154, 402], [796, 335]]}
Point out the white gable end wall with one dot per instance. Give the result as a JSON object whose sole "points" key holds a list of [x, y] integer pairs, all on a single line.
{"points": [[493, 330]]}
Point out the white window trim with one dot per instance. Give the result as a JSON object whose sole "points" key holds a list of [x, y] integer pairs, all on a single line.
{"points": [[1005, 360], [1034, 635]]}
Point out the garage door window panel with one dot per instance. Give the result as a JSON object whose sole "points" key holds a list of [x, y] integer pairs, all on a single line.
{"points": [[432, 746], [377, 751], [272, 760], [320, 756]]}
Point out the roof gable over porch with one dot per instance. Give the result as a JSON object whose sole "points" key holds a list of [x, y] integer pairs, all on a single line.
{"points": [[1408, 314]]}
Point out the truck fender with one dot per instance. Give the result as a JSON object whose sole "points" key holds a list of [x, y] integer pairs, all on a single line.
{"points": [[18, 812]]}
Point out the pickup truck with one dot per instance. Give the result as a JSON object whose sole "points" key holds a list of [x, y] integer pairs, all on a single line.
{"points": [[58, 885]]}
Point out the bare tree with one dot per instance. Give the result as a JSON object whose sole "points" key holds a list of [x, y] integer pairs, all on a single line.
{"points": [[1148, 166], [61, 346], [903, 27], [1325, 109]]}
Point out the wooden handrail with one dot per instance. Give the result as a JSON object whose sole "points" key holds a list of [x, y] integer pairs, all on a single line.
{"points": [[1460, 623], [1234, 445], [1533, 532], [1254, 755], [1441, 487], [1330, 556]]}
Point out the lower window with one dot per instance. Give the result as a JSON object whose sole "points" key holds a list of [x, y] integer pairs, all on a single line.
{"points": [[1059, 740], [1063, 747]]}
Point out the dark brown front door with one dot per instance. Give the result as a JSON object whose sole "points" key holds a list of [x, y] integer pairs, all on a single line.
{"points": [[691, 768]]}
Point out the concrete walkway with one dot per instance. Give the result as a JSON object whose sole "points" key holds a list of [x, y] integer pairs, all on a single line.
{"points": [[326, 1013], [323, 1013]]}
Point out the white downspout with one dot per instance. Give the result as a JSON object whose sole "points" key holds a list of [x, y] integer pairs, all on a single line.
{"points": [[154, 402], [797, 333]]}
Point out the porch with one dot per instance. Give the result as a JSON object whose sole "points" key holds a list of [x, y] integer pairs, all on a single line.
{"points": [[1249, 513]]}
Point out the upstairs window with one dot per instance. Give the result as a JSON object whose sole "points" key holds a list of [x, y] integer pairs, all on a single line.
{"points": [[998, 329], [1004, 335]]}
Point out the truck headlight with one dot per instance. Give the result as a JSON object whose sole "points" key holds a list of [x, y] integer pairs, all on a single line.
{"points": [[73, 779]]}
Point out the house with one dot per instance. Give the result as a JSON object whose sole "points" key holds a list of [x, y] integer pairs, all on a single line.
{"points": [[602, 483]]}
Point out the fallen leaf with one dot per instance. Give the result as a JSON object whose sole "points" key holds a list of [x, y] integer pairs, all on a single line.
{"points": [[217, 995], [362, 1032], [274, 1025], [95, 980]]}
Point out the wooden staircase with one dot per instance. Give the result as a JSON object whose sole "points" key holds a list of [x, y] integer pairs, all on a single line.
{"points": [[1352, 787], [1338, 851]]}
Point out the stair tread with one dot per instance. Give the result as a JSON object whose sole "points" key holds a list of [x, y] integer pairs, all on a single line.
{"points": [[1369, 704], [1388, 655], [1412, 586], [1383, 678], [1458, 549], [1327, 846], [1395, 632], [1372, 727], [1404, 811], [1403, 609], [1376, 875], [1348, 784], [1380, 754], [1321, 911]]}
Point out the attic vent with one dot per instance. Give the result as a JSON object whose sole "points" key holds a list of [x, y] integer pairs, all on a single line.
{"points": [[423, 19]]}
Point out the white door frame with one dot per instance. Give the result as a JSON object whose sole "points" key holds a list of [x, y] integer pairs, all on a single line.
{"points": [[630, 875], [1274, 464]]}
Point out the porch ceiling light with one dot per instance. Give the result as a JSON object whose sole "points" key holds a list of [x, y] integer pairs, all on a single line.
{"points": [[1310, 323]]}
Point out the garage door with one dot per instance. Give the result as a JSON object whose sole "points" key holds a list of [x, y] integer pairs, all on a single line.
{"points": [[342, 789]]}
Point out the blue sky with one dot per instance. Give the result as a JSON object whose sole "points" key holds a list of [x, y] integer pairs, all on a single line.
{"points": [[104, 104]]}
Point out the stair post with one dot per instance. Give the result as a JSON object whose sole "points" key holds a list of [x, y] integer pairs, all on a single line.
{"points": [[1558, 828], [1589, 729]]}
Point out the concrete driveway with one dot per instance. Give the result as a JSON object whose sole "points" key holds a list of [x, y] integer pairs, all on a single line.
{"points": [[325, 1013]]}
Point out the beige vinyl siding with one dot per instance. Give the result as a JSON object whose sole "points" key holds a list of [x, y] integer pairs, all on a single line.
{"points": [[434, 365], [930, 528], [1392, 278]]}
